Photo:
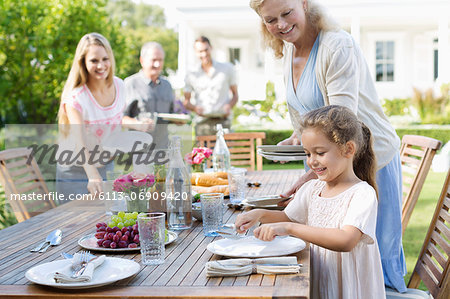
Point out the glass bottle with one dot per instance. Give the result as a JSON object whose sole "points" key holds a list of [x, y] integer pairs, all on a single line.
{"points": [[221, 154], [178, 189]]}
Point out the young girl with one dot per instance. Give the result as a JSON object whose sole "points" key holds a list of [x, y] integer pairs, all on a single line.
{"points": [[336, 213], [92, 105]]}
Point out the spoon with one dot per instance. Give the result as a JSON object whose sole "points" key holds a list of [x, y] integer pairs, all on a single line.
{"points": [[55, 241], [48, 239]]}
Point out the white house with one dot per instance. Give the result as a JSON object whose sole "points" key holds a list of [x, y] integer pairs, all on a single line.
{"points": [[405, 42]]}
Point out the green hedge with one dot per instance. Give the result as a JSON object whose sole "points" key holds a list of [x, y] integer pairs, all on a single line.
{"points": [[442, 134]]}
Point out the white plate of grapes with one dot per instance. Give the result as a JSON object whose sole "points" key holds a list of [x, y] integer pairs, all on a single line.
{"points": [[119, 234]]}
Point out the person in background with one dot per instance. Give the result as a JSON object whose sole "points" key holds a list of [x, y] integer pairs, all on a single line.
{"points": [[148, 93], [336, 213], [213, 87], [91, 109], [323, 66]]}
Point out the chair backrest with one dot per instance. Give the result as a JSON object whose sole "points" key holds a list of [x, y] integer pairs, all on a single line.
{"points": [[20, 178], [242, 148], [416, 155], [432, 266]]}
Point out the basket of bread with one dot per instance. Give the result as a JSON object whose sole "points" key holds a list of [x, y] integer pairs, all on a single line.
{"points": [[210, 182]]}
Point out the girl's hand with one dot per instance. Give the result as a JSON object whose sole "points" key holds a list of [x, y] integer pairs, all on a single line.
{"points": [[302, 180], [268, 232], [246, 220]]}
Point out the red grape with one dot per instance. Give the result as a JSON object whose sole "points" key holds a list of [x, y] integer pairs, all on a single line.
{"points": [[109, 229], [113, 245], [136, 238], [124, 229], [99, 224], [116, 238], [132, 245], [106, 243], [100, 242], [119, 233], [100, 235], [123, 244], [124, 238]]}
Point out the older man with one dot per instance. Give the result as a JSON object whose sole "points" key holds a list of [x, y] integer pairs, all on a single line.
{"points": [[213, 85], [147, 92]]}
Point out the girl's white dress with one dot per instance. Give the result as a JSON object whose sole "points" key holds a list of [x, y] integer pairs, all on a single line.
{"points": [[354, 274]]}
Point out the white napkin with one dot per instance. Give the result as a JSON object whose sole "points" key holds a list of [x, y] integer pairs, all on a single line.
{"points": [[239, 267], [64, 276]]}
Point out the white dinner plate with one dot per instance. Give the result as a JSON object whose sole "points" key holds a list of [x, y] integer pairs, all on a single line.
{"points": [[252, 247], [281, 148], [125, 140], [282, 158], [111, 270], [90, 242], [175, 117]]}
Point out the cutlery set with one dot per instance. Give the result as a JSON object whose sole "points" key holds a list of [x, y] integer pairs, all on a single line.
{"points": [[53, 239]]}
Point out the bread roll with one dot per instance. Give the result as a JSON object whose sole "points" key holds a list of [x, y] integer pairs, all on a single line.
{"points": [[207, 180], [213, 189], [221, 175]]}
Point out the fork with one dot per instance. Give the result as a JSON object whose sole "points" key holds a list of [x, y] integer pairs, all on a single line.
{"points": [[79, 266]]}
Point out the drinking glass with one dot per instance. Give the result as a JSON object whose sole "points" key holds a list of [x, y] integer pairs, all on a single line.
{"points": [[112, 200], [151, 228], [212, 213], [236, 184]]}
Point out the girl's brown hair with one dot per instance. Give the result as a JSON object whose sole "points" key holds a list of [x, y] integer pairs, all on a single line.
{"points": [[341, 125]]}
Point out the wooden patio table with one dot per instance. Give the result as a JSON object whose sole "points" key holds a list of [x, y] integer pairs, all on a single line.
{"points": [[182, 275]]}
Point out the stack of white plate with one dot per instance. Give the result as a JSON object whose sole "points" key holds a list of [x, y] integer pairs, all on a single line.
{"points": [[282, 152], [269, 202]]}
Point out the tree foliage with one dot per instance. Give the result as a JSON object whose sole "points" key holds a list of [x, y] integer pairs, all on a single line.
{"points": [[142, 23], [136, 16], [37, 45]]}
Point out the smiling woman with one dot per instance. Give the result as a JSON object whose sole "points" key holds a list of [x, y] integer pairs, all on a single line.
{"points": [[324, 66], [91, 109]]}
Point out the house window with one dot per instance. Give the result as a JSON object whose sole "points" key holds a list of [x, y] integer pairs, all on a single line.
{"points": [[384, 61], [235, 55]]}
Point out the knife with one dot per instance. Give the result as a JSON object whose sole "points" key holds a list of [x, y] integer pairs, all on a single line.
{"points": [[50, 237]]}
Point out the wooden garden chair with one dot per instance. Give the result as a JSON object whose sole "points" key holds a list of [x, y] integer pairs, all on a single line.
{"points": [[416, 155], [242, 148], [432, 266], [19, 179]]}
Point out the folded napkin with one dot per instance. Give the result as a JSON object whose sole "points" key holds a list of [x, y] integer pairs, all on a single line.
{"points": [[240, 267], [64, 276]]}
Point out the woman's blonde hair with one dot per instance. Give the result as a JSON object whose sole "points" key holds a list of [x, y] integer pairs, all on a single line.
{"points": [[341, 125], [315, 15], [78, 74]]}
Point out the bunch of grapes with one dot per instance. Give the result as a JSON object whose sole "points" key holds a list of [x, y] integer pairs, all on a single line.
{"points": [[116, 233], [123, 219]]}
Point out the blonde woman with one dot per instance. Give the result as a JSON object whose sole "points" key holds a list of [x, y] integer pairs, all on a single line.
{"points": [[324, 66], [92, 105]]}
